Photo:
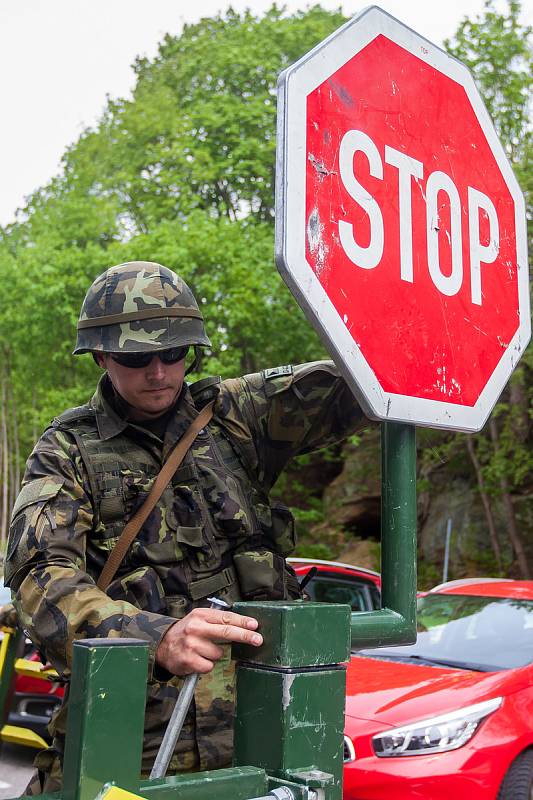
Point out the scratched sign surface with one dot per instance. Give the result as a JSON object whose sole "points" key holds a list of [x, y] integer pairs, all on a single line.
{"points": [[400, 225]]}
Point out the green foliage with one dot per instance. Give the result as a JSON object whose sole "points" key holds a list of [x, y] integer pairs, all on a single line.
{"points": [[498, 49], [314, 550], [510, 458], [306, 517], [428, 575], [199, 132]]}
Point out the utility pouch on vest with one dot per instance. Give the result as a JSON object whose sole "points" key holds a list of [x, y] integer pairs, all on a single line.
{"points": [[261, 574], [283, 529]]}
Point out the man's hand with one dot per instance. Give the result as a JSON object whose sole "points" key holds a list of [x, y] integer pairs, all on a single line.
{"points": [[192, 643]]}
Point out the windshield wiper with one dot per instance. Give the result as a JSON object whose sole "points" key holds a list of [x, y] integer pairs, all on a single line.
{"points": [[444, 662], [435, 662]]}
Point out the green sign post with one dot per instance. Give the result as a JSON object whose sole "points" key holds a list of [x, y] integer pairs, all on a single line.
{"points": [[395, 623]]}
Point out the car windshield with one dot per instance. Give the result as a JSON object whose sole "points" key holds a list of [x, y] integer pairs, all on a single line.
{"points": [[478, 633], [360, 594]]}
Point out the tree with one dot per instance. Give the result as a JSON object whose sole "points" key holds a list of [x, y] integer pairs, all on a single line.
{"points": [[181, 173], [199, 132], [499, 51]]}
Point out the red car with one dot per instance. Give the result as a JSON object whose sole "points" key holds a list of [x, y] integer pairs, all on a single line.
{"points": [[451, 717], [333, 582]]}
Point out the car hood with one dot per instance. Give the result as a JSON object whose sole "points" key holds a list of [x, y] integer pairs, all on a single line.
{"points": [[395, 693]]}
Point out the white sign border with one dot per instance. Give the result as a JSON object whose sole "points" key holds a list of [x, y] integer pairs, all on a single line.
{"points": [[294, 85]]}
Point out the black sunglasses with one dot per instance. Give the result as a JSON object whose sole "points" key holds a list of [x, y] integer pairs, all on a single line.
{"points": [[138, 360]]}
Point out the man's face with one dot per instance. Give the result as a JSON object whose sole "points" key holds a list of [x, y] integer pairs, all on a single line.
{"points": [[150, 390]]}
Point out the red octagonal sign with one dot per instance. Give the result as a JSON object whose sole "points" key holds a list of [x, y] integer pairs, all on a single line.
{"points": [[400, 224]]}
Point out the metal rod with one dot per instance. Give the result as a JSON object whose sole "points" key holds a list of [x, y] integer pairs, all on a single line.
{"points": [[175, 724], [447, 550], [172, 733]]}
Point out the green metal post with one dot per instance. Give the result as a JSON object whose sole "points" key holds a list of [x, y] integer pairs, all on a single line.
{"points": [[396, 622], [398, 554], [289, 715], [106, 716], [105, 732]]}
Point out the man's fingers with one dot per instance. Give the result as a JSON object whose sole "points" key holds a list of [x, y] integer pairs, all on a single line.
{"points": [[192, 643], [208, 649], [231, 633], [223, 626], [197, 664], [228, 618]]}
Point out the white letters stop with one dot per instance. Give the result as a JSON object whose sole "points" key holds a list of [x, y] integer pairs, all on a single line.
{"points": [[370, 256]]}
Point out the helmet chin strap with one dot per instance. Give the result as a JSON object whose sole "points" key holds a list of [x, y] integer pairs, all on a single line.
{"points": [[194, 366]]}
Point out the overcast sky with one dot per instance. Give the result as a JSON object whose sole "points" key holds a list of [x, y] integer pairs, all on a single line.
{"points": [[59, 60]]}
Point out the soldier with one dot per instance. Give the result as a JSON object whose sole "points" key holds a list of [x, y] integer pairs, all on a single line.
{"points": [[212, 531]]}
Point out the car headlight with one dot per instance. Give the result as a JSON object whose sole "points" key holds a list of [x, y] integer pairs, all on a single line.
{"points": [[435, 735], [348, 750]]}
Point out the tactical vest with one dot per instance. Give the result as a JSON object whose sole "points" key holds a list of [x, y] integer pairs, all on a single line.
{"points": [[213, 531]]}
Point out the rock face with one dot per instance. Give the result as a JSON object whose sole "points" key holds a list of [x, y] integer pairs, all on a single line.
{"points": [[351, 525], [361, 553], [471, 551], [352, 501], [358, 485], [457, 501]]}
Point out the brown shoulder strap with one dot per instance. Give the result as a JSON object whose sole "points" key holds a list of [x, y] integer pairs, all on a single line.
{"points": [[163, 479]]}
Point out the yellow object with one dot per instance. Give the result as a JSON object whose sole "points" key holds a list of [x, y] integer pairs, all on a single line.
{"points": [[115, 793], [15, 735], [3, 647], [32, 669]]}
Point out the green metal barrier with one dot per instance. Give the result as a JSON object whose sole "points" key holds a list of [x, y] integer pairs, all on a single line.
{"points": [[288, 721], [290, 691], [106, 716]]}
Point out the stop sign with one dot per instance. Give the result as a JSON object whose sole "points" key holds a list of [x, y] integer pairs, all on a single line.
{"points": [[400, 226]]}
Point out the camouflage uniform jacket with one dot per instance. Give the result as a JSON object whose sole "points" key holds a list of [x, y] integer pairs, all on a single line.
{"points": [[213, 530]]}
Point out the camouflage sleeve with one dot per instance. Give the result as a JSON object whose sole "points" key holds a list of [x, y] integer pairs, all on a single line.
{"points": [[56, 599], [280, 413]]}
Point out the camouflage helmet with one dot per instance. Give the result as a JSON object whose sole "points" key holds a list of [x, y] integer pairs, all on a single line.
{"points": [[137, 307]]}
